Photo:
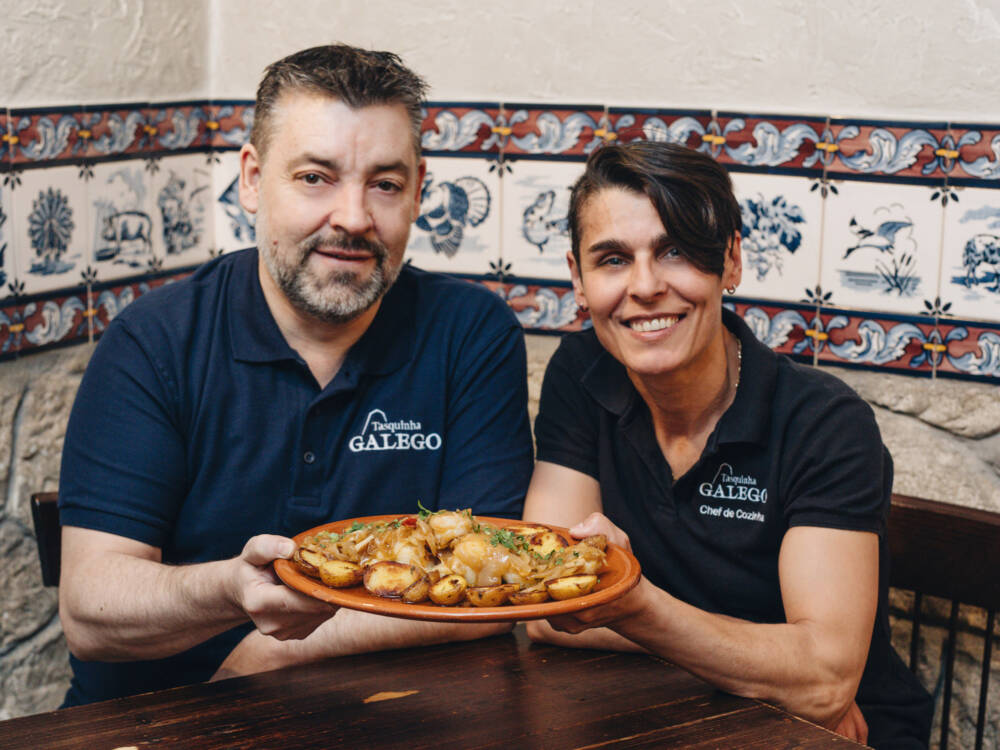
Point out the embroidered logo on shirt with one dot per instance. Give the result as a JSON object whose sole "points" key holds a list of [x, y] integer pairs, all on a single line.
{"points": [[382, 434], [728, 485]]}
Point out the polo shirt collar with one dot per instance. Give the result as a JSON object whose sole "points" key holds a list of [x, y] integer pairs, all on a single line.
{"points": [[384, 347], [746, 420]]}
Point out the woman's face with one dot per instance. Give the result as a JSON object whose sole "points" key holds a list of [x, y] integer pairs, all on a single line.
{"points": [[651, 309]]}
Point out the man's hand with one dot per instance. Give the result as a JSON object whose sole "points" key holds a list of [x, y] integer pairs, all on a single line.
{"points": [[275, 609]]}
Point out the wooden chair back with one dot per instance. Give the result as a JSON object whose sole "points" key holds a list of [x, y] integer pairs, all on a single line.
{"points": [[952, 552], [45, 515]]}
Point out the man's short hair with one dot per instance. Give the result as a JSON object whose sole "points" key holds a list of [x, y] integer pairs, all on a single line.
{"points": [[691, 192], [357, 77]]}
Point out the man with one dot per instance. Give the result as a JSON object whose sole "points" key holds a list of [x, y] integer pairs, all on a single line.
{"points": [[311, 379]]}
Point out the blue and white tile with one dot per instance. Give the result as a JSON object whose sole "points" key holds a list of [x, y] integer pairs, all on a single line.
{"points": [[180, 199], [122, 231], [50, 229], [782, 231], [881, 247], [234, 227], [970, 267], [535, 225], [458, 229], [8, 270]]}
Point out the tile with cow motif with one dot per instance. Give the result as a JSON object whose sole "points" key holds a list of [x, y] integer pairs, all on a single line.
{"points": [[229, 123], [970, 266], [50, 228], [182, 211], [469, 127], [45, 135], [535, 224], [564, 130], [123, 234], [233, 225], [782, 220], [881, 247], [458, 227]]}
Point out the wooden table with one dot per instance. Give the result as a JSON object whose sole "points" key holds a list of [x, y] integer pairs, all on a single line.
{"points": [[502, 692]]}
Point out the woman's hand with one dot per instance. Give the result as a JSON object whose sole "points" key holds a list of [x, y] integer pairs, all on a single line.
{"points": [[853, 726], [598, 523]]}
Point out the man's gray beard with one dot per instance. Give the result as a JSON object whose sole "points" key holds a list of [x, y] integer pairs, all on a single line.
{"points": [[340, 297]]}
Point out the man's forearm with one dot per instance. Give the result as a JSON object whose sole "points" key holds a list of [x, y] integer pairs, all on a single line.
{"points": [[349, 632], [121, 608]]}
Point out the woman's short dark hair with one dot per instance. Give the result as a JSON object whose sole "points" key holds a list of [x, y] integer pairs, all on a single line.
{"points": [[358, 77], [692, 194]]}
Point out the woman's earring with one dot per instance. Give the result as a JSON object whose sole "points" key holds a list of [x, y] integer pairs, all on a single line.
{"points": [[730, 290], [583, 307]]}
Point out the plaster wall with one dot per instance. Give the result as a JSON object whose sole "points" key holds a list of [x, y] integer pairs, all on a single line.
{"points": [[91, 51], [864, 58]]}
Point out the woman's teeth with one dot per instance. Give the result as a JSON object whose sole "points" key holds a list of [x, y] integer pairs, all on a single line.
{"points": [[656, 324]]}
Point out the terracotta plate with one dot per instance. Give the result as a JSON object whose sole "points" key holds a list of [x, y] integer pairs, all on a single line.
{"points": [[621, 574]]}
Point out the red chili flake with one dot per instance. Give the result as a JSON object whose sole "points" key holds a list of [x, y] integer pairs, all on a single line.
{"points": [[409, 522]]}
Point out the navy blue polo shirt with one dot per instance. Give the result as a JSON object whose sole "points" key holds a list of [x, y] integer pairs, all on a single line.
{"points": [[797, 447], [196, 426]]}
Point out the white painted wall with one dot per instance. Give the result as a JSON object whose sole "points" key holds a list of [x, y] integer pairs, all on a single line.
{"points": [[911, 59], [61, 52]]}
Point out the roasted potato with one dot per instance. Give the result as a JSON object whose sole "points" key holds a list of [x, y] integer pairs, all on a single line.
{"points": [[339, 574], [545, 542], [597, 540], [528, 597], [570, 586], [490, 596], [449, 591], [395, 580], [529, 531], [308, 561]]}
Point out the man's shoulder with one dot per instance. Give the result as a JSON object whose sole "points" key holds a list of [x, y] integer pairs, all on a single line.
{"points": [[442, 297]]}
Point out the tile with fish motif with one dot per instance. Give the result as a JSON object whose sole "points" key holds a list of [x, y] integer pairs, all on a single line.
{"points": [[535, 225], [881, 247], [50, 228], [233, 226], [782, 220], [458, 229], [180, 201], [970, 266], [122, 233]]}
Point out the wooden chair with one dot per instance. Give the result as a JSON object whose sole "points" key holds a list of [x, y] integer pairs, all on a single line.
{"points": [[952, 552], [45, 515]]}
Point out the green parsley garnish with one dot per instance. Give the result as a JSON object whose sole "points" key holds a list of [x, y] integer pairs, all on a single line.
{"points": [[424, 512]]}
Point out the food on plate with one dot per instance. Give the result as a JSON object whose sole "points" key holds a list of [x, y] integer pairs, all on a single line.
{"points": [[453, 559]]}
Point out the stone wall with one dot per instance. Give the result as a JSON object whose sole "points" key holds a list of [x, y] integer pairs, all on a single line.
{"points": [[944, 436]]}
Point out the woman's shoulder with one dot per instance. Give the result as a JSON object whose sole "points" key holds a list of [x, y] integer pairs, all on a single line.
{"points": [[579, 348]]}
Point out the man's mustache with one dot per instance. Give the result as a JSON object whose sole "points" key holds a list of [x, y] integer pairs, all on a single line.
{"points": [[344, 241]]}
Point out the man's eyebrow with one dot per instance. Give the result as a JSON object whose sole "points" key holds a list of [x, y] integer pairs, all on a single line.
{"points": [[334, 166]]}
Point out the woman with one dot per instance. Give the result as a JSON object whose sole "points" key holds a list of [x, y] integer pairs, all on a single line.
{"points": [[753, 490]]}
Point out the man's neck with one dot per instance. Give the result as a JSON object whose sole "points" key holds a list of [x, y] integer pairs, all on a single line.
{"points": [[321, 344]]}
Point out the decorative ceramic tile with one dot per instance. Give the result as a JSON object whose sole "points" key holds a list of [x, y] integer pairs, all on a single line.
{"points": [[117, 129], [896, 343], [182, 212], [691, 128], [50, 228], [233, 226], [890, 148], [979, 151], [765, 141], [473, 128], [535, 227], [565, 130], [881, 247], [458, 230], [7, 140], [230, 123], [782, 220], [123, 234], [180, 126], [970, 266], [783, 328], [972, 350], [111, 299], [8, 271], [45, 135], [542, 307]]}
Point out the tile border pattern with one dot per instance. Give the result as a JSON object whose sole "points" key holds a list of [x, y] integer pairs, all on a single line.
{"points": [[939, 154]]}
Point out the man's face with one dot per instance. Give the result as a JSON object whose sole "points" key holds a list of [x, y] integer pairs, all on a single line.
{"points": [[335, 195]]}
